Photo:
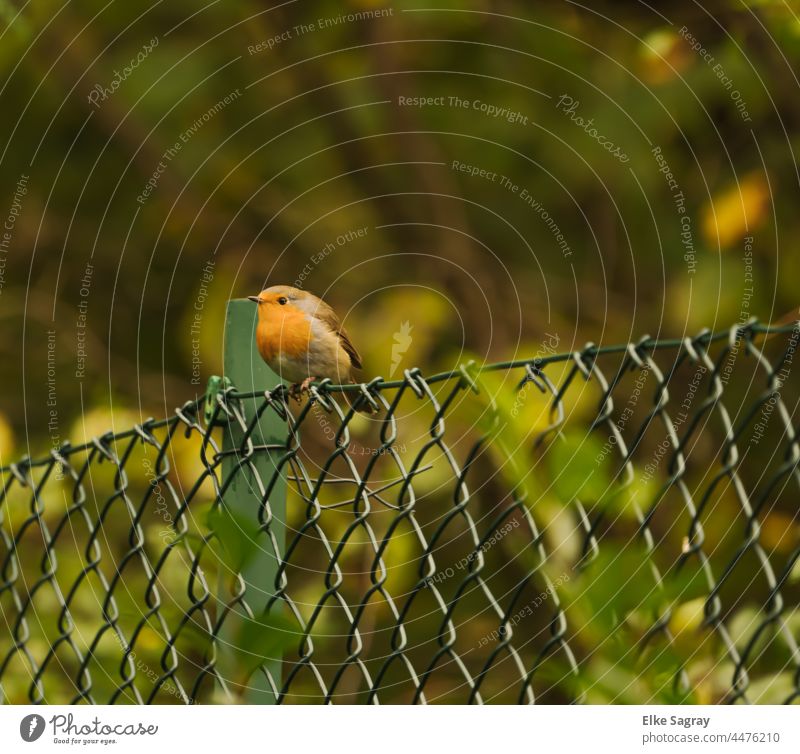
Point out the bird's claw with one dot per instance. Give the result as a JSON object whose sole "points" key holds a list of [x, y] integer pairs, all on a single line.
{"points": [[306, 383], [296, 390]]}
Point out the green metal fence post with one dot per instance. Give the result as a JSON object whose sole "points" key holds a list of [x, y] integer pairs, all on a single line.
{"points": [[248, 373]]}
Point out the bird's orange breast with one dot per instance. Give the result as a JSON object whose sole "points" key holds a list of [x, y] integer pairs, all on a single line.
{"points": [[283, 330]]}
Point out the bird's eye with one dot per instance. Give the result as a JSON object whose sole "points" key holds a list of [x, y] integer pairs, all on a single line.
{"points": [[283, 300]]}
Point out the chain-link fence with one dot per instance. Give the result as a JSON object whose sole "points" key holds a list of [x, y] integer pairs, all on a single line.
{"points": [[615, 524]]}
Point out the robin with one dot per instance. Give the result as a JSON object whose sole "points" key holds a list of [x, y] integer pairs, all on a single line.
{"points": [[302, 340]]}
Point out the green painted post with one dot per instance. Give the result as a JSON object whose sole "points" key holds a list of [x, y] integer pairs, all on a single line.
{"points": [[248, 373]]}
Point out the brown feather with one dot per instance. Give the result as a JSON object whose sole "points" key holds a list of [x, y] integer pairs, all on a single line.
{"points": [[328, 316], [349, 348]]}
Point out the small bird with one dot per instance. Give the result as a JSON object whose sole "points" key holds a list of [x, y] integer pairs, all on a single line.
{"points": [[302, 340]]}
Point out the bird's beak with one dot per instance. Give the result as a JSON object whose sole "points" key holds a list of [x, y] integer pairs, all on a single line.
{"points": [[254, 298]]}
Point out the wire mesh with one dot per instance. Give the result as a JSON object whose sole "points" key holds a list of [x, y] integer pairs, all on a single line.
{"points": [[439, 550]]}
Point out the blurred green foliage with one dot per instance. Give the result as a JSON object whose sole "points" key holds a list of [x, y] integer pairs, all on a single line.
{"points": [[315, 145], [244, 149], [637, 607]]}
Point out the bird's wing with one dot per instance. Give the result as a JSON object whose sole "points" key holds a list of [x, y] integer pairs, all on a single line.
{"points": [[328, 316], [349, 348]]}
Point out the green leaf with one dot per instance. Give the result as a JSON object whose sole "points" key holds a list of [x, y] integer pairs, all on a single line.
{"points": [[261, 639], [509, 438], [238, 535], [578, 468], [615, 584]]}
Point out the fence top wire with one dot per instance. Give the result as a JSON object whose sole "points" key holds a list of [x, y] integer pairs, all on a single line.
{"points": [[392, 596], [590, 351]]}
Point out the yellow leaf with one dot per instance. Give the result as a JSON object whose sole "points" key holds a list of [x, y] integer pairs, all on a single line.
{"points": [[6, 442], [687, 618], [736, 212], [663, 56]]}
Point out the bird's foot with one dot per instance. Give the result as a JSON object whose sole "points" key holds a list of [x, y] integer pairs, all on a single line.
{"points": [[306, 383], [297, 389]]}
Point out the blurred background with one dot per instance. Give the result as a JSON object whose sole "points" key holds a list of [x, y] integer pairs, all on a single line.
{"points": [[494, 182], [159, 160]]}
